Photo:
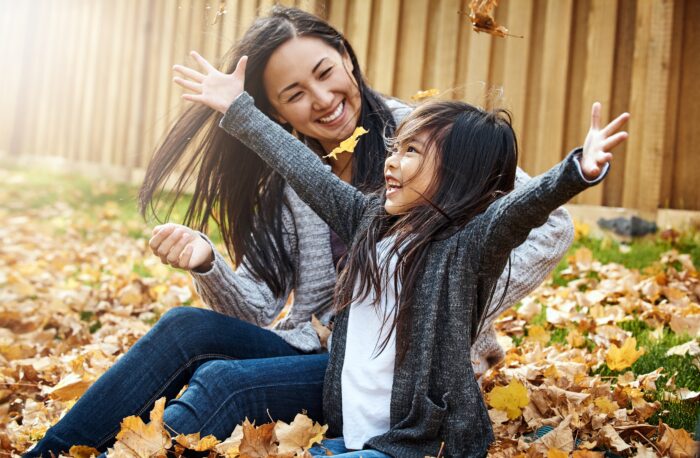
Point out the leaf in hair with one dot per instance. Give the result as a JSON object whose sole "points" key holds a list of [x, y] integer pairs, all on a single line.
{"points": [[347, 145], [420, 95]]}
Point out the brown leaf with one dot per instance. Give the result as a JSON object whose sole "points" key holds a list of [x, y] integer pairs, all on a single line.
{"points": [[482, 19], [322, 331], [677, 442], [257, 442], [83, 451]]}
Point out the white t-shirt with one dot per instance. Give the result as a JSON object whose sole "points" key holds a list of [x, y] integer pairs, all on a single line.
{"points": [[368, 375]]}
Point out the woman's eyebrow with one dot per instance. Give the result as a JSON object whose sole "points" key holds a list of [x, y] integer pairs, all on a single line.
{"points": [[297, 84]]}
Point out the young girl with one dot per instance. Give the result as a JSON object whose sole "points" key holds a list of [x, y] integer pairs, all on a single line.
{"points": [[425, 254]]}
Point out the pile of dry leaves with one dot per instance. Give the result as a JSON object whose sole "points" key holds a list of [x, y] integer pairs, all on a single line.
{"points": [[78, 289]]}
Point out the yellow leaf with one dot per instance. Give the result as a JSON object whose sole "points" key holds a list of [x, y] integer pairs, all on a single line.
{"points": [[556, 453], [193, 442], [322, 331], [420, 95], [83, 451], [347, 145], [510, 398], [605, 405], [538, 334], [622, 358], [72, 386], [299, 435]]}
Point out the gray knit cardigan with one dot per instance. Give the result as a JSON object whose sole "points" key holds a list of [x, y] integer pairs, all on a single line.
{"points": [[435, 396], [238, 293]]}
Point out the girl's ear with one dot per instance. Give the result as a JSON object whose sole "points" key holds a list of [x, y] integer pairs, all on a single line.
{"points": [[280, 119]]}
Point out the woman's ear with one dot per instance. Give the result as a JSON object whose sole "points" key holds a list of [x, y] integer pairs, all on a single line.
{"points": [[347, 62]]}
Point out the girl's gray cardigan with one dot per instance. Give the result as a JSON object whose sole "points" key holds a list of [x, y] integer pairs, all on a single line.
{"points": [[435, 396], [238, 293]]}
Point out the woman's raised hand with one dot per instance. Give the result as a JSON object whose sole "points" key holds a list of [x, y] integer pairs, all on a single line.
{"points": [[180, 246], [209, 86], [599, 142]]}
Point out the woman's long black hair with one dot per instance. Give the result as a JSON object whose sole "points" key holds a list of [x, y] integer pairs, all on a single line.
{"points": [[233, 185], [476, 156]]}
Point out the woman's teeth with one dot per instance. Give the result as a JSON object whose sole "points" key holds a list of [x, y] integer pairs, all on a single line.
{"points": [[333, 116]]}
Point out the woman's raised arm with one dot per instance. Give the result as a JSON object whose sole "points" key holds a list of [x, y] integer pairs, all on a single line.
{"points": [[339, 204]]}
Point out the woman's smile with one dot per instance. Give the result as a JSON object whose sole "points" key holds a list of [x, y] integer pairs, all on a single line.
{"points": [[335, 117]]}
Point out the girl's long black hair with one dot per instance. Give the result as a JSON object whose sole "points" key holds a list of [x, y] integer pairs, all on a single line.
{"points": [[233, 185], [476, 161]]}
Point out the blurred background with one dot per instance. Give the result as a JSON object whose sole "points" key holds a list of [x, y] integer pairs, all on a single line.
{"points": [[87, 83]]}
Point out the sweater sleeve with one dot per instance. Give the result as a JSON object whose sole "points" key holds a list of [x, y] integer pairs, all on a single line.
{"points": [[533, 260], [508, 221], [339, 204], [239, 293]]}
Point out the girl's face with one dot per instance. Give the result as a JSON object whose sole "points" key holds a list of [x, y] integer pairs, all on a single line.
{"points": [[409, 172], [310, 86]]}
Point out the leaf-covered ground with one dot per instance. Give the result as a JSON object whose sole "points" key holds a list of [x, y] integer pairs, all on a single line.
{"points": [[603, 358]]}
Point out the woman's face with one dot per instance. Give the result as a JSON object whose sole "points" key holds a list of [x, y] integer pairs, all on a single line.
{"points": [[310, 86]]}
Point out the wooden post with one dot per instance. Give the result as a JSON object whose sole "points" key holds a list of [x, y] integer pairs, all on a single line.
{"points": [[650, 80], [411, 49]]}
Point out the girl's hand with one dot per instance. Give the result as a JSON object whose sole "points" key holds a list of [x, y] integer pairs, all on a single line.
{"points": [[211, 88], [181, 247], [599, 142]]}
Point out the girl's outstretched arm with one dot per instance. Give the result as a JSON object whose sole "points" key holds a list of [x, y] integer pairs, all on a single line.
{"points": [[507, 222], [336, 202]]}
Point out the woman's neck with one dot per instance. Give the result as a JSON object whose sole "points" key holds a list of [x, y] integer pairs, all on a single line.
{"points": [[342, 167]]}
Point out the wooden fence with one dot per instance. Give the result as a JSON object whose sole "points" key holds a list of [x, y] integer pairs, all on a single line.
{"points": [[87, 83]]}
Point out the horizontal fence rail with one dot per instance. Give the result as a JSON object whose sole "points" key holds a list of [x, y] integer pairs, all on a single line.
{"points": [[87, 83]]}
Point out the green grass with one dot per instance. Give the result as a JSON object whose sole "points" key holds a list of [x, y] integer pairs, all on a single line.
{"points": [[679, 414]]}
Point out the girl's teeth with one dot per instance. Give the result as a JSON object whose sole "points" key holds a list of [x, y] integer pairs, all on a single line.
{"points": [[332, 117]]}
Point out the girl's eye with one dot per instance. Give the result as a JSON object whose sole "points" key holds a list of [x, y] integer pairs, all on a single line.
{"points": [[411, 149], [325, 73], [295, 97]]}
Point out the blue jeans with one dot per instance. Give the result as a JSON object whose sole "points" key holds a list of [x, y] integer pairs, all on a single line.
{"points": [[234, 370], [337, 448]]}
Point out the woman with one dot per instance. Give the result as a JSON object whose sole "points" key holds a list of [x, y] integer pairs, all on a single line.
{"points": [[304, 75]]}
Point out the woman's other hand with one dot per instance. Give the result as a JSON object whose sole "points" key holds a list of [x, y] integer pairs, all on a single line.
{"points": [[599, 142], [209, 86], [181, 247]]}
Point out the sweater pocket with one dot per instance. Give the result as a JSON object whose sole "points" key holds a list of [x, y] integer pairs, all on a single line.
{"points": [[424, 419]]}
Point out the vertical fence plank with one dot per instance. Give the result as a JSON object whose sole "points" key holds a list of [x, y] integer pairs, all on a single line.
{"points": [[229, 26], [358, 25], [598, 75], [441, 62], [248, 12], [622, 83], [687, 168], [338, 14], [677, 63], [555, 58], [515, 62], [649, 90], [410, 58], [45, 89], [382, 55]]}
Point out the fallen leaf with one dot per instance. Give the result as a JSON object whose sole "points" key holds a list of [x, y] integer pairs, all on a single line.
{"points": [[257, 442], [144, 441], [619, 358], [299, 435], [510, 398], [676, 442]]}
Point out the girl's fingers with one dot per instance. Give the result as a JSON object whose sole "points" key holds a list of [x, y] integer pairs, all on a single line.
{"points": [[176, 250], [189, 73], [194, 98], [202, 61], [158, 238], [189, 85], [595, 116], [615, 124], [185, 257], [614, 140], [168, 243]]}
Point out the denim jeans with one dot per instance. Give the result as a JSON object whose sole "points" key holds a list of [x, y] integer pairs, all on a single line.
{"points": [[337, 448], [234, 370]]}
